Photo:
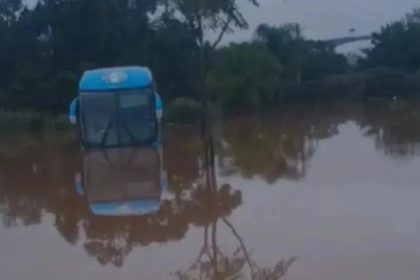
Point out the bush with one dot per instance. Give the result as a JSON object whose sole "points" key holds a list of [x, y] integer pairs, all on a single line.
{"points": [[183, 110], [15, 121], [385, 82], [244, 75]]}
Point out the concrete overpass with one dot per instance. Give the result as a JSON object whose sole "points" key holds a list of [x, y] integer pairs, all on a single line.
{"points": [[348, 39]]}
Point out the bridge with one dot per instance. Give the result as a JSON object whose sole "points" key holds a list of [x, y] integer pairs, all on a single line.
{"points": [[349, 39]]}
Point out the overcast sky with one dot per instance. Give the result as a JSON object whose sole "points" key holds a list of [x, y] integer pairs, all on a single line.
{"points": [[323, 19], [326, 18]]}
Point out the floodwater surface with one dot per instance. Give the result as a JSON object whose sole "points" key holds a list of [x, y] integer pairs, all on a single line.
{"points": [[314, 192]]}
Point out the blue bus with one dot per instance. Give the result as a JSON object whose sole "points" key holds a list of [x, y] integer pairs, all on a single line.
{"points": [[117, 107]]}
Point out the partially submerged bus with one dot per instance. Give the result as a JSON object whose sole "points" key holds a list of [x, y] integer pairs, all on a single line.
{"points": [[117, 107]]}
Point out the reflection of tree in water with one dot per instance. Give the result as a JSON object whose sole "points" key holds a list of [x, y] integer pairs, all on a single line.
{"points": [[31, 178], [275, 147], [111, 239], [267, 152], [282, 145], [182, 151], [212, 263], [395, 127]]}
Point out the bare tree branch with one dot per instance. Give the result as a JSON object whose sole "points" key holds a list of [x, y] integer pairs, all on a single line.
{"points": [[242, 243], [222, 33]]}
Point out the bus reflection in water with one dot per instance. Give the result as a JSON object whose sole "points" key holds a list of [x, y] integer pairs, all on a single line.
{"points": [[124, 181]]}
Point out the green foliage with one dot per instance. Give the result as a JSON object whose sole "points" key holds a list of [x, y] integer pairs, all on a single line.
{"points": [[386, 82], [45, 50], [279, 65], [397, 45], [302, 59], [208, 15], [244, 75], [183, 110], [8, 9], [11, 121], [380, 83]]}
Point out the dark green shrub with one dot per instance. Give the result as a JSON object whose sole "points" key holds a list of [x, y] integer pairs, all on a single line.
{"points": [[385, 82], [183, 110]]}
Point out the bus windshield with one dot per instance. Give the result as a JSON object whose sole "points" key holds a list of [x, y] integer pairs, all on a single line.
{"points": [[118, 118]]}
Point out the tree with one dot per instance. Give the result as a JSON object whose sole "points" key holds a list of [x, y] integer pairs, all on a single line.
{"points": [[8, 10], [175, 59], [203, 16], [302, 59], [244, 75], [286, 42], [396, 45], [47, 48], [219, 16]]}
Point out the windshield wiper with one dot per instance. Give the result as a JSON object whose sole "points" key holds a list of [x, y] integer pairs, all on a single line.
{"points": [[130, 134], [105, 137]]}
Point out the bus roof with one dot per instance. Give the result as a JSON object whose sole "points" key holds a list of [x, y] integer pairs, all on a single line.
{"points": [[115, 78]]}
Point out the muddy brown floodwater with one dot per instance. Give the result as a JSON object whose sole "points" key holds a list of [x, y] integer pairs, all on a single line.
{"points": [[315, 192]]}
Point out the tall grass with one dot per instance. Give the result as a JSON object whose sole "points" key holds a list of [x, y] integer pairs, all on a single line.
{"points": [[21, 132], [11, 121]]}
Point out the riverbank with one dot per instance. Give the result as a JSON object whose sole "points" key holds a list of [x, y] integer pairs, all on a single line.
{"points": [[183, 112]]}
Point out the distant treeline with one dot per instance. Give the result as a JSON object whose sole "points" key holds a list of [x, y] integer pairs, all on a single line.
{"points": [[44, 51], [280, 65]]}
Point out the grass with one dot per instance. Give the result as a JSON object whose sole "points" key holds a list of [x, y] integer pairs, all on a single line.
{"points": [[12, 121], [21, 132]]}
